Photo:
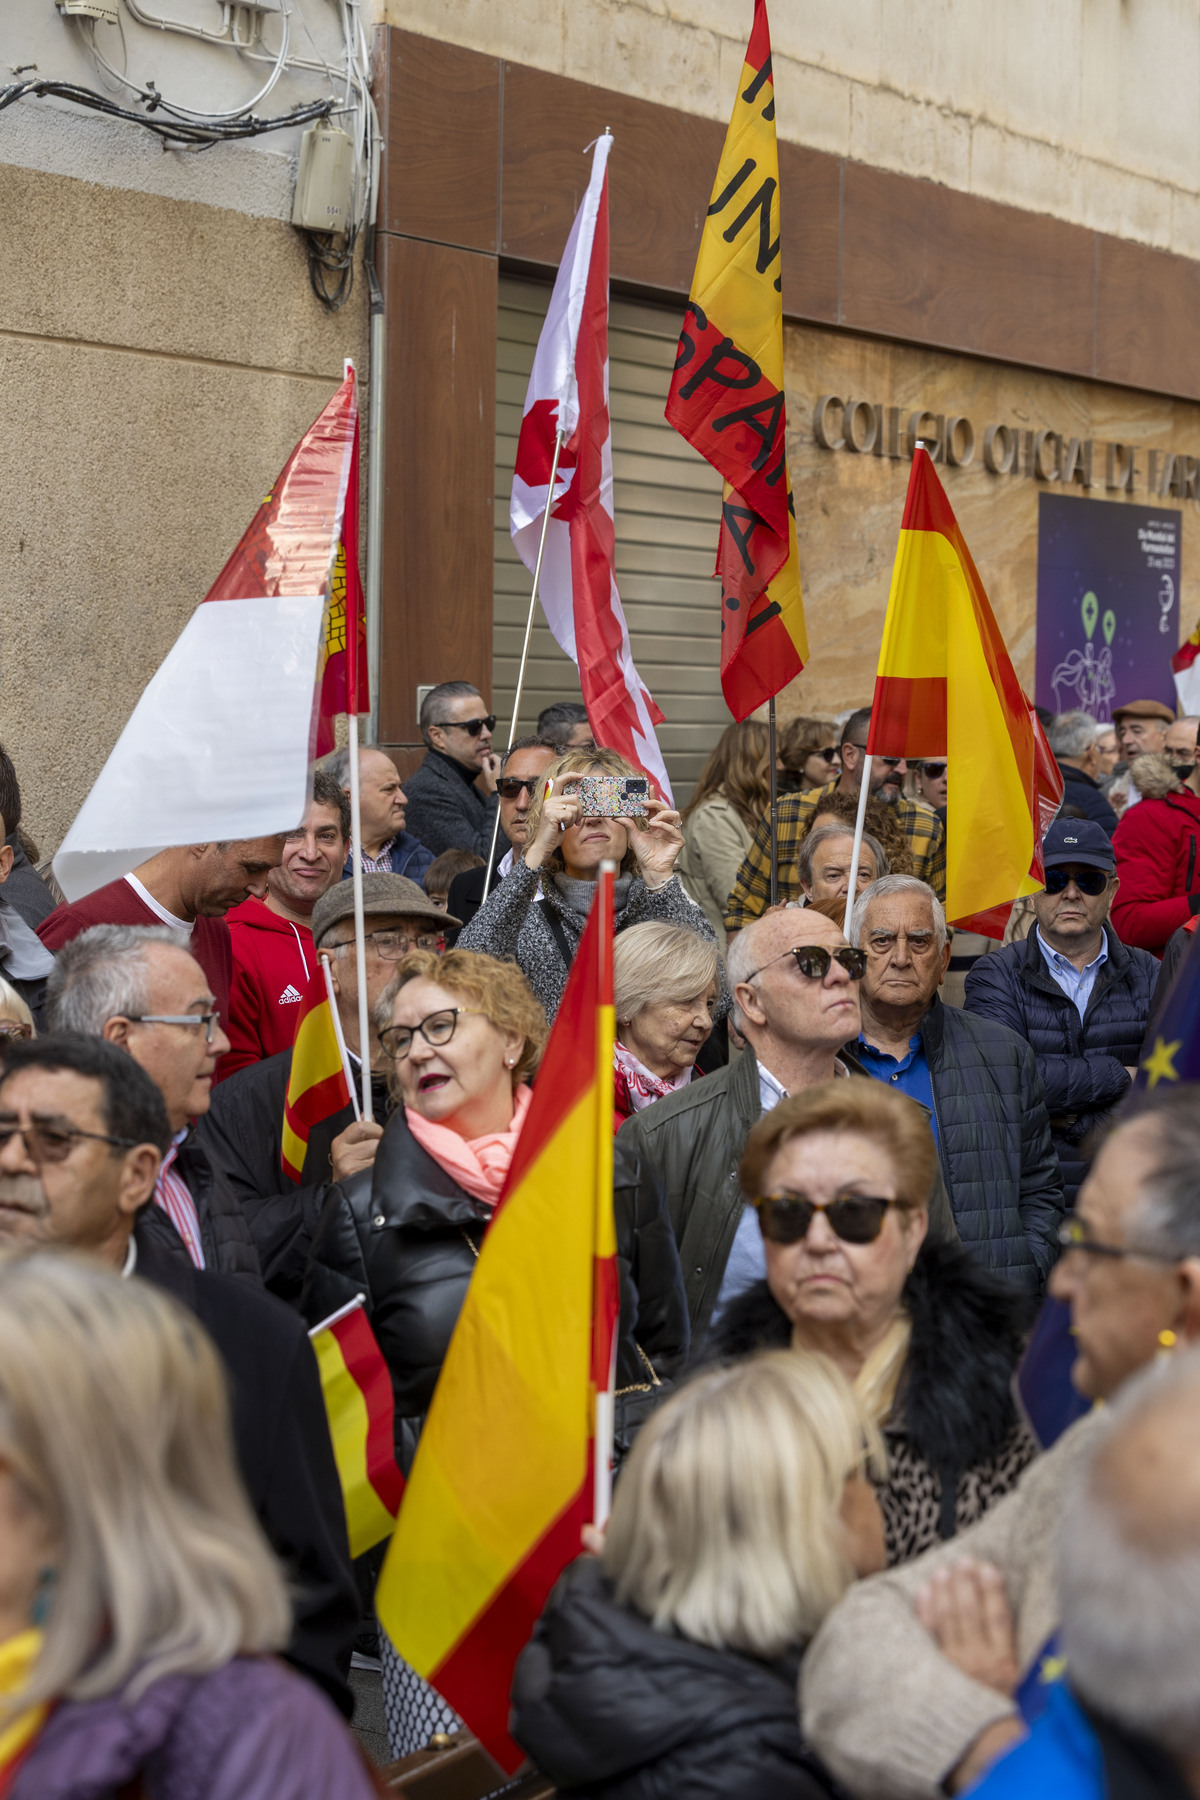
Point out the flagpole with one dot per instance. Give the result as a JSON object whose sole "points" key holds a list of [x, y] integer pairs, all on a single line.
{"points": [[338, 1033], [856, 853], [360, 942], [774, 825], [537, 575]]}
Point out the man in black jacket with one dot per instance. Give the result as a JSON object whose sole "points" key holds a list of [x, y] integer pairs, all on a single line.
{"points": [[82, 1133], [1074, 991], [523, 766], [452, 796], [1073, 738], [979, 1080], [141, 989]]}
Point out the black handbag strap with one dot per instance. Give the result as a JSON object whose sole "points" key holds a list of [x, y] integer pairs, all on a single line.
{"points": [[559, 933]]}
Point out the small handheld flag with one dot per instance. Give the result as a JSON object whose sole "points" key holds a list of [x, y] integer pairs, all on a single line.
{"points": [[358, 1400], [513, 1460], [727, 395], [317, 1085], [1175, 1053], [1185, 667]]}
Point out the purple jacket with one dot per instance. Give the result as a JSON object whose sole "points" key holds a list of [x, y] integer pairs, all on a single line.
{"points": [[250, 1731]]}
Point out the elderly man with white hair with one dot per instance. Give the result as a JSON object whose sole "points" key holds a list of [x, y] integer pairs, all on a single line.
{"points": [[794, 982], [1074, 738], [978, 1079]]}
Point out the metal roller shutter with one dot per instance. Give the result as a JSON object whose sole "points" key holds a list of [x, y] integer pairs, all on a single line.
{"points": [[667, 510]]}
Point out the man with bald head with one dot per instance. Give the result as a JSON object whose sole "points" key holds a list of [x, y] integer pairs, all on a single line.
{"points": [[1158, 844], [794, 981], [387, 848]]}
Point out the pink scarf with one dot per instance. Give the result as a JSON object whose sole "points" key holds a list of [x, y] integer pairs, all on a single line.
{"points": [[477, 1164], [642, 1086]]}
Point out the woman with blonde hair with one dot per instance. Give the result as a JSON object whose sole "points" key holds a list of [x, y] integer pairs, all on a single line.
{"points": [[720, 819], [464, 1034], [840, 1177], [538, 912], [669, 1666], [16, 1020], [141, 1609], [668, 990]]}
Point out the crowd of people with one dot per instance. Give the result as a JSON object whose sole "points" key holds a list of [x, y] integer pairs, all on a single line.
{"points": [[847, 1554]]}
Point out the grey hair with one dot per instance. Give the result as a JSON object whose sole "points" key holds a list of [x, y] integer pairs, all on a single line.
{"points": [[102, 973], [1130, 1594], [1070, 733], [883, 890], [740, 966], [434, 704], [824, 834], [657, 964], [1169, 1216]]}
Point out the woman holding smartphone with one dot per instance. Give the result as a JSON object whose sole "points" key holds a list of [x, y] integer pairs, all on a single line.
{"points": [[537, 913]]}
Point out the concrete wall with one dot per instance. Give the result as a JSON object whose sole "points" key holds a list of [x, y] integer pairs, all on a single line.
{"points": [[160, 353], [1085, 109]]}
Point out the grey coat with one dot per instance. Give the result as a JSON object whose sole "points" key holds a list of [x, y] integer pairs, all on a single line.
{"points": [[447, 812], [511, 922]]}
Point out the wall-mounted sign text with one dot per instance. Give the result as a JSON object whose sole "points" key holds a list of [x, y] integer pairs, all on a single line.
{"points": [[866, 428]]}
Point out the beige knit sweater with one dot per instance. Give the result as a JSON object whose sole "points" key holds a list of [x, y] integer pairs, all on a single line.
{"points": [[879, 1702]]}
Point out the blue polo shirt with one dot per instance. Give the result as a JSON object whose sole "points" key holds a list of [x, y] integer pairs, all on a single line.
{"points": [[910, 1073]]}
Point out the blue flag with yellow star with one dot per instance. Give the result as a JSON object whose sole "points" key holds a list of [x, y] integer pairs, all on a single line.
{"points": [[1174, 1055]]}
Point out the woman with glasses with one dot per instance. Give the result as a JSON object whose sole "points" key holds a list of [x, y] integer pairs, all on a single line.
{"points": [[839, 1176], [464, 1033], [538, 912], [668, 1666], [720, 819], [809, 755]]}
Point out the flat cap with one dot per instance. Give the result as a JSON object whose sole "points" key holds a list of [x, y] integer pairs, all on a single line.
{"points": [[1144, 709], [382, 893]]}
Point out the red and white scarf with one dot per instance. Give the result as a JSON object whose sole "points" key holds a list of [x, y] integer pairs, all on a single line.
{"points": [[641, 1085]]}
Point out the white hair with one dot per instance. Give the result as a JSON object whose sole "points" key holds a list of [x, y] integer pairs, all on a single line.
{"points": [[1070, 733], [883, 890], [658, 963], [741, 965], [13, 1006], [102, 974]]}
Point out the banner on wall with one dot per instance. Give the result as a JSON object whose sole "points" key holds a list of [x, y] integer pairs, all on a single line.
{"points": [[1107, 603]]}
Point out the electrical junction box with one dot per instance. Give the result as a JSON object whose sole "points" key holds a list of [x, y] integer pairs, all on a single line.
{"points": [[323, 184], [106, 10]]}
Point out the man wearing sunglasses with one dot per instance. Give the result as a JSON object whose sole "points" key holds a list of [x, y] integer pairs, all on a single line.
{"points": [[522, 768], [794, 981], [243, 1129], [1073, 990], [923, 830], [452, 796]]}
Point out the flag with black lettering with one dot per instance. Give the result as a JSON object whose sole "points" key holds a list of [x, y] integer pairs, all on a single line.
{"points": [[727, 396]]}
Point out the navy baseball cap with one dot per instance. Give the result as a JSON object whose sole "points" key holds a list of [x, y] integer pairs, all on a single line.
{"points": [[1078, 841]]}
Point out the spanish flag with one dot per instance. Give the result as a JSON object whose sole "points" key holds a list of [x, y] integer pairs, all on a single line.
{"points": [[727, 395], [946, 687], [514, 1457], [358, 1400], [317, 1085]]}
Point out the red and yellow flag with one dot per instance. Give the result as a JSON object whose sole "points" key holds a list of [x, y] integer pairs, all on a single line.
{"points": [[727, 396], [361, 1410], [317, 1086], [946, 687], [344, 685], [510, 1461]]}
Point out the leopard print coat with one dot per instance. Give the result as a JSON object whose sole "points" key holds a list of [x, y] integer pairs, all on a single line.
{"points": [[956, 1443]]}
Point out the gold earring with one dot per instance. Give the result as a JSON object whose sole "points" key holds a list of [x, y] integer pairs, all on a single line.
{"points": [[1167, 1339]]}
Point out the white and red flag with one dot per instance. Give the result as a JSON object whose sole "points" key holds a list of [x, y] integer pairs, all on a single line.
{"points": [[568, 398], [220, 743]]}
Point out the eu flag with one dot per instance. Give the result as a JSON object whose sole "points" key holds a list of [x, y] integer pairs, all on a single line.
{"points": [[1175, 1053]]}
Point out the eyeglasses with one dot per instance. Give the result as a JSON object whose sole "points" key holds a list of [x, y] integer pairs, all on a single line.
{"points": [[391, 945], [473, 726], [1073, 1235], [14, 1029], [889, 762], [855, 1218], [511, 787], [437, 1028], [1088, 881], [209, 1020], [813, 960], [46, 1142], [934, 771], [831, 753]]}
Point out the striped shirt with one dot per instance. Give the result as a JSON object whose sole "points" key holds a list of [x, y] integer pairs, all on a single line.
{"points": [[172, 1193]]}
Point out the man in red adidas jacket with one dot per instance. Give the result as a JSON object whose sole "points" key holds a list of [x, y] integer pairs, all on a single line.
{"points": [[273, 955], [1158, 844]]}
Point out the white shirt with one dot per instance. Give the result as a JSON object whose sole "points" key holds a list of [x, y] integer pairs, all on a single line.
{"points": [[183, 926]]}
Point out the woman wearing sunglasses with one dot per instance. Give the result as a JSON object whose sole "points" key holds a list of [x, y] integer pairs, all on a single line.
{"points": [[464, 1033], [839, 1177]]}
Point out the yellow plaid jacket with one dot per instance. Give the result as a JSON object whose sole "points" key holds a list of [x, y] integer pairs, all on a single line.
{"points": [[752, 890]]}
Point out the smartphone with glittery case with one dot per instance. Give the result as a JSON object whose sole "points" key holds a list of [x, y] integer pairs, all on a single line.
{"points": [[609, 796]]}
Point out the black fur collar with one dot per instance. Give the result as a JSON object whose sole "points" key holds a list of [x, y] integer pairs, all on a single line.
{"points": [[968, 1331]]}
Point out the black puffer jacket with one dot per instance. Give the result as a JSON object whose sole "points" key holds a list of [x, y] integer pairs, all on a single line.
{"points": [[1082, 1063], [609, 1707], [406, 1236], [955, 1442], [994, 1141], [225, 1235]]}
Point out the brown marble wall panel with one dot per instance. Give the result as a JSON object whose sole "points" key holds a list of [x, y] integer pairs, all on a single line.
{"points": [[1147, 304], [440, 117]]}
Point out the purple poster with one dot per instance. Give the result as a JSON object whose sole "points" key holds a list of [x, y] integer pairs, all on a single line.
{"points": [[1107, 603]]}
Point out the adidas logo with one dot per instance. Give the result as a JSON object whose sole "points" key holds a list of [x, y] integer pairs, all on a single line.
{"points": [[289, 996]]}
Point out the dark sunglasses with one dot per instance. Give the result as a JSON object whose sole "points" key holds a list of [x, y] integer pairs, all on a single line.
{"points": [[889, 762], [473, 726], [511, 787], [1088, 881], [935, 771], [855, 1218], [813, 960], [54, 1143], [831, 755]]}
